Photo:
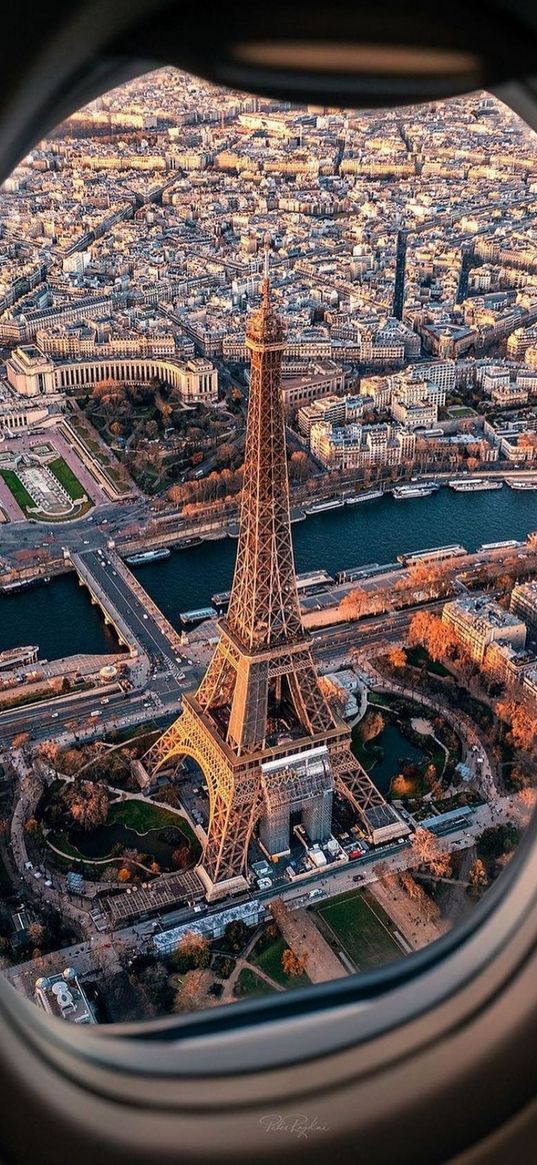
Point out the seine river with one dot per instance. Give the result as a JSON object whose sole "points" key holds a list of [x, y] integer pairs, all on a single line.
{"points": [[60, 619]]}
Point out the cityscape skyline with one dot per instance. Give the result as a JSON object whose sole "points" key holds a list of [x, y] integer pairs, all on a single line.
{"points": [[307, 775]]}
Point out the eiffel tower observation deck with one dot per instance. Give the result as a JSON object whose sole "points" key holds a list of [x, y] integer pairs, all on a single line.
{"points": [[259, 726]]}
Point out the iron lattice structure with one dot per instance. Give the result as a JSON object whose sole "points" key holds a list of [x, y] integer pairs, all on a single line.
{"points": [[260, 701]]}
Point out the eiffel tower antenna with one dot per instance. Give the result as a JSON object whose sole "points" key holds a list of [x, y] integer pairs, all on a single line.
{"points": [[259, 726]]}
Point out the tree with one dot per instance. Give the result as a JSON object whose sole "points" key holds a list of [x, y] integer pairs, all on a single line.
{"points": [[36, 933], [155, 982], [193, 952], [298, 466], [292, 964], [438, 638], [425, 906], [371, 725], [20, 740], [181, 857], [87, 802], [477, 875], [32, 827], [123, 875], [426, 848], [397, 657], [402, 786], [236, 933], [354, 604], [191, 993]]}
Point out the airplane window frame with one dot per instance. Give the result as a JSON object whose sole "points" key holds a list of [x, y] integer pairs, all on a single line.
{"points": [[332, 1017], [361, 1025]]}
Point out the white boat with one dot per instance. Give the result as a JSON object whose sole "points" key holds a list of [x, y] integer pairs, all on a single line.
{"points": [[370, 496], [522, 483], [329, 504], [474, 484], [402, 492], [148, 556]]}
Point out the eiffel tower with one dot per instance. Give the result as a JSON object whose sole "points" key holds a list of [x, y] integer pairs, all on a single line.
{"points": [[268, 742]]}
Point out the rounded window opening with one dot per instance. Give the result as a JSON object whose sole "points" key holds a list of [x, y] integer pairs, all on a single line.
{"points": [[268, 392]]}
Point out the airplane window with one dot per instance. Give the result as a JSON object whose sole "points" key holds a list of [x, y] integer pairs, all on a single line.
{"points": [[268, 546]]}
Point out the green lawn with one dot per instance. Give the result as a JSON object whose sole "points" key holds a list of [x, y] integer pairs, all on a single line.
{"points": [[21, 495], [248, 983], [143, 816], [361, 928], [66, 477], [267, 954], [63, 474]]}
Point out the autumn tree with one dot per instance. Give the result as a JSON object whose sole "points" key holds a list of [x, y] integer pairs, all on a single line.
{"points": [[477, 875], [397, 657], [371, 725], [298, 466], [438, 638], [292, 964], [32, 827], [354, 604], [49, 751], [87, 802], [425, 907], [36, 934], [193, 952], [402, 786], [426, 848], [181, 857], [191, 994], [20, 740]]}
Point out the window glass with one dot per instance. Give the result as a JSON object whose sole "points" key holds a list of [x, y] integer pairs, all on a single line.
{"points": [[233, 331]]}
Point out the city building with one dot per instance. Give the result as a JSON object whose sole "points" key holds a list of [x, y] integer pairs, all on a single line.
{"points": [[479, 621], [524, 603], [355, 446], [63, 996], [210, 926], [30, 373]]}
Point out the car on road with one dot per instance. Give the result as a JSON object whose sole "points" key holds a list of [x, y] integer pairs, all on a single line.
{"points": [[54, 715], [146, 616]]}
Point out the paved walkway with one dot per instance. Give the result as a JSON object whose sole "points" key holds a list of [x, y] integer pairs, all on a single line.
{"points": [[303, 937], [405, 913], [242, 963]]}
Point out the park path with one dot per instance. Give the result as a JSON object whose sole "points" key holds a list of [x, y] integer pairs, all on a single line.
{"points": [[303, 937], [488, 776], [415, 929], [242, 963]]}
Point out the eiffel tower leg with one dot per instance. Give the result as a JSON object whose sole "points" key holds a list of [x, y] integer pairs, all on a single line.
{"points": [[224, 863], [234, 804], [380, 820], [169, 746]]}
